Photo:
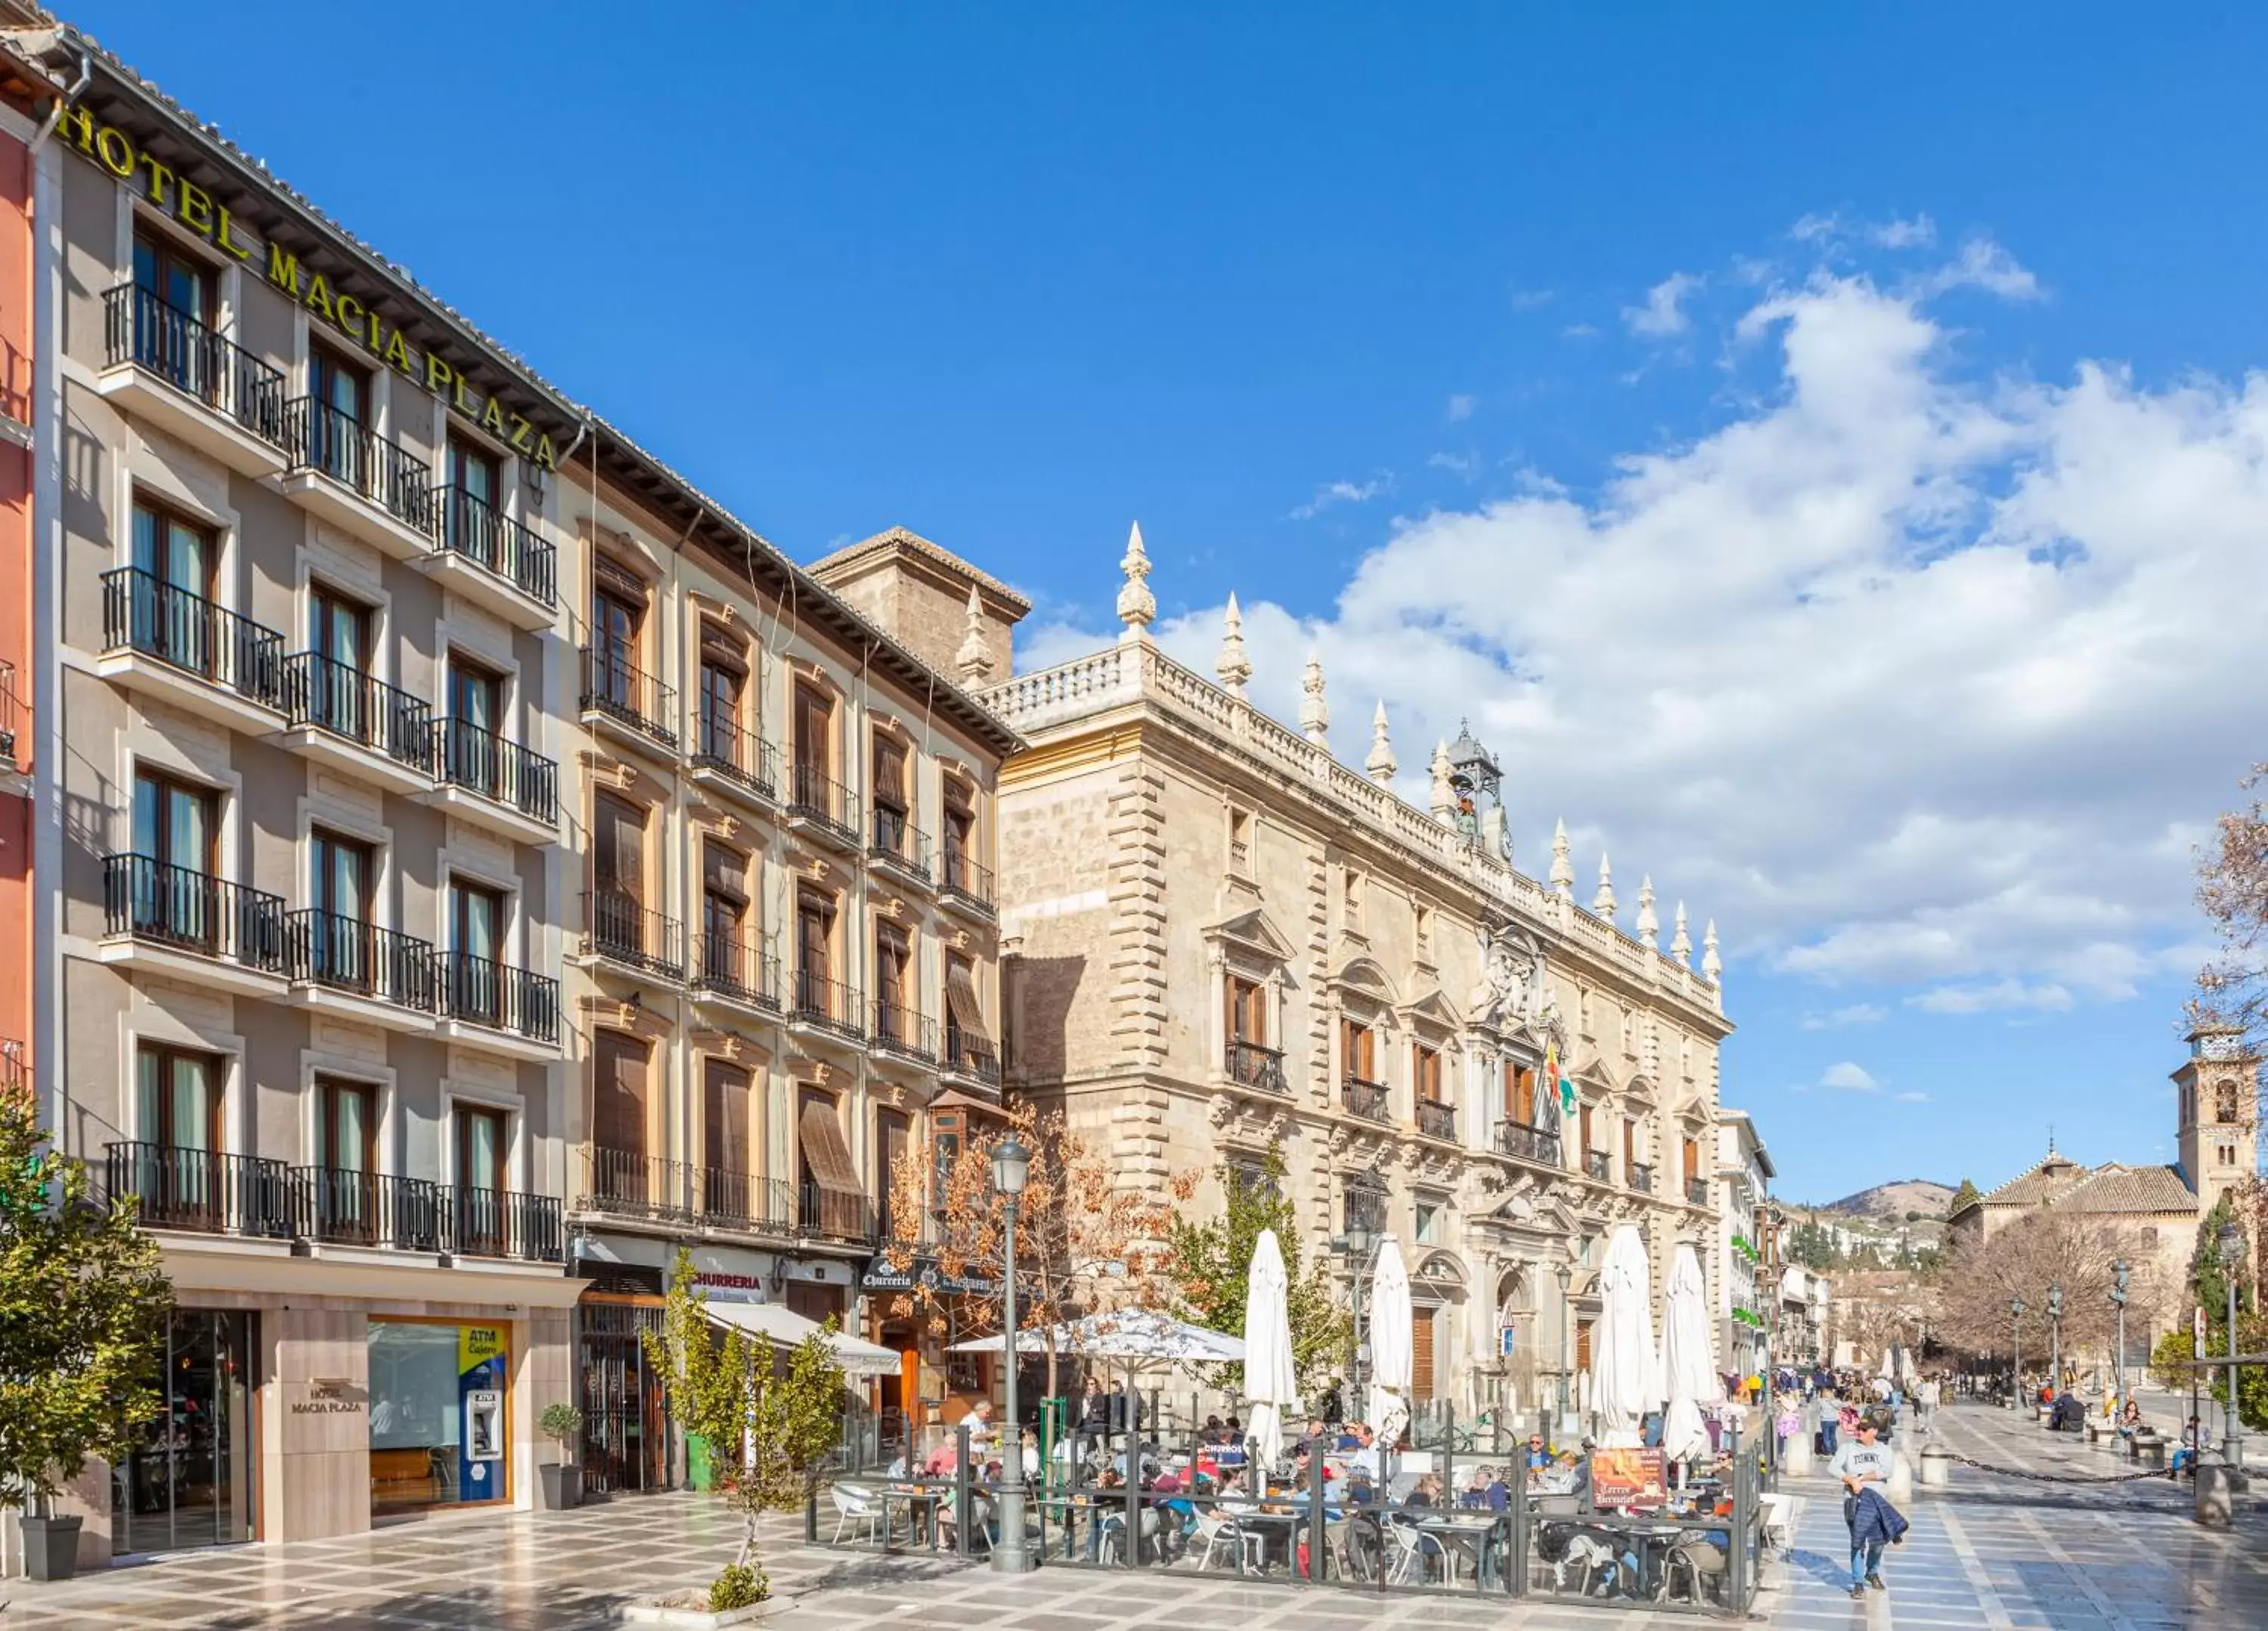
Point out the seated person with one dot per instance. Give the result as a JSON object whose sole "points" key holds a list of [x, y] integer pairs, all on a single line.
{"points": [[1312, 1439], [1426, 1494]]}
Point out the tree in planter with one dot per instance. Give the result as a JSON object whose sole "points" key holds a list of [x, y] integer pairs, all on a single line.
{"points": [[769, 1422], [82, 1304], [1210, 1266], [1086, 1241]]}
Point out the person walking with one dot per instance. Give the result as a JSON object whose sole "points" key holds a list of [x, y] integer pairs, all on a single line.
{"points": [[1863, 1464]]}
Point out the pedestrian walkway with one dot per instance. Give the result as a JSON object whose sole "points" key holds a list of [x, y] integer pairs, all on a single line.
{"points": [[1992, 1552]]}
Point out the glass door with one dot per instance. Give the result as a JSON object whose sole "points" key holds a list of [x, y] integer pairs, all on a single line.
{"points": [[190, 1482], [479, 1182], [344, 954]]}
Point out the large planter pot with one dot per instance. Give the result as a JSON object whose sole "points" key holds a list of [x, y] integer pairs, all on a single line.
{"points": [[563, 1486], [51, 1547], [673, 1616]]}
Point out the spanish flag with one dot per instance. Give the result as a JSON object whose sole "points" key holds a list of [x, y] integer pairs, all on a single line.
{"points": [[1553, 1080]]}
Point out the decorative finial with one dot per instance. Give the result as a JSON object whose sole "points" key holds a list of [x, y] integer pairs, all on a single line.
{"points": [[1603, 902], [1563, 869], [1235, 668], [973, 661], [2052, 1138], [1712, 966], [1137, 605], [1648, 926], [1382, 764], [1315, 713], [1443, 797], [1680, 944]]}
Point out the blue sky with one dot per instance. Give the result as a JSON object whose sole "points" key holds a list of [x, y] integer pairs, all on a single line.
{"points": [[1808, 447]]}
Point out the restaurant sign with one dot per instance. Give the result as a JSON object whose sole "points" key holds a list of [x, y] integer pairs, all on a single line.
{"points": [[1628, 1478], [925, 1273], [198, 211]]}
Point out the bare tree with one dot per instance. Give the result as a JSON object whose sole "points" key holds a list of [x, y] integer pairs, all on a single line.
{"points": [[2233, 894], [2025, 1260]]}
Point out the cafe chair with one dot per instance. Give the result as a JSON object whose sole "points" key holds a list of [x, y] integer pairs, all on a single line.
{"points": [[855, 1509], [1215, 1529], [1410, 1556], [1700, 1564]]}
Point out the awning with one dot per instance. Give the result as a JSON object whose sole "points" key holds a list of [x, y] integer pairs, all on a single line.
{"points": [[967, 1014], [783, 1327], [825, 1152]]}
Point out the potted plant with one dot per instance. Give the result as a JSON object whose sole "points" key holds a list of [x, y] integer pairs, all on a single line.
{"points": [[562, 1479], [83, 1304]]}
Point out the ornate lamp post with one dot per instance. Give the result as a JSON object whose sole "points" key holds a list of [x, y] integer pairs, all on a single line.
{"points": [[1566, 1277], [1011, 1554], [2118, 1271], [2016, 1352], [2055, 1337], [1356, 1245], [2231, 1241]]}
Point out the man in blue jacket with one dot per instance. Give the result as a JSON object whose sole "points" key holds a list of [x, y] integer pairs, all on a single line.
{"points": [[1863, 1463]]}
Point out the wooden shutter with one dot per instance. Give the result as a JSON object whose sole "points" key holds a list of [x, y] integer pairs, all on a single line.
{"points": [[1630, 1145], [1583, 1345], [890, 954], [1586, 1130], [618, 847], [814, 726], [723, 872], [967, 1014], [812, 918], [1523, 1093], [1421, 1353], [890, 773], [1692, 1160], [618, 1093], [826, 1152], [725, 1117]]}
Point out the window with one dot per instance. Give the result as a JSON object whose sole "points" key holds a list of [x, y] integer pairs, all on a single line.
{"points": [[1585, 1126], [616, 620], [892, 1139], [181, 283], [169, 616], [618, 1114], [475, 970], [814, 935], [890, 779], [346, 1125], [1519, 1092], [1358, 1050], [173, 301], [968, 1042], [1425, 931], [1629, 1143], [1425, 1072], [180, 1098], [725, 1117], [338, 411], [1425, 1223], [173, 822], [476, 695], [1248, 1011], [482, 1141], [721, 681], [1350, 893], [960, 832], [1363, 1205], [1692, 1161], [473, 473], [891, 998], [724, 903], [169, 881], [1239, 839], [618, 849], [339, 940], [2224, 1102], [814, 730], [338, 646]]}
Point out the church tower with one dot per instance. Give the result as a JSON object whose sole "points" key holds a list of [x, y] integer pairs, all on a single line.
{"points": [[2218, 1095]]}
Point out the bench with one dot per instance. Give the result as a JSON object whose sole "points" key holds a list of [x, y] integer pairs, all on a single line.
{"points": [[399, 1477]]}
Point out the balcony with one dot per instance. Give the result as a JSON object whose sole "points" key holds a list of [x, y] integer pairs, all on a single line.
{"points": [[509, 1223], [493, 783], [1598, 1165], [825, 1005], [734, 761], [331, 1206], [14, 777], [619, 930], [1364, 1208], [1641, 1178], [623, 701], [1437, 1119], [837, 1216], [170, 920], [744, 1203], [732, 968], [164, 367], [348, 966], [179, 648], [493, 561], [491, 1004], [966, 883], [1697, 1191], [1364, 1098], [1248, 1064], [901, 1031], [199, 1191], [342, 717], [624, 1183], [1524, 1142], [971, 1060], [897, 845], [818, 805], [354, 478]]}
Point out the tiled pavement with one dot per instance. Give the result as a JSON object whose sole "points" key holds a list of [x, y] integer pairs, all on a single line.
{"points": [[1992, 1553]]}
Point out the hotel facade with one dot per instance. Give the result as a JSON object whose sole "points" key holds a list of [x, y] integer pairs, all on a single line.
{"points": [[470, 864], [1218, 938]]}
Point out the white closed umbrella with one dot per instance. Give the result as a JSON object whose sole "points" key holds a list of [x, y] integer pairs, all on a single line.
{"points": [[1390, 1358], [1625, 1373], [1272, 1386], [1692, 1369]]}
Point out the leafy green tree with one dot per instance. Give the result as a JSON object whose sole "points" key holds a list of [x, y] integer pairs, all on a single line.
{"points": [[2208, 1276], [2169, 1367], [83, 1304], [1210, 1264], [1963, 1198], [770, 1422]]}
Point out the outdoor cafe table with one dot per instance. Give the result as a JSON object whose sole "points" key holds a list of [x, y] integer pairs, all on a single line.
{"points": [[1651, 1538], [1471, 1534], [921, 1503]]}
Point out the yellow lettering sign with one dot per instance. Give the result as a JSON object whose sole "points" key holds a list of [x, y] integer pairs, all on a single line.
{"points": [[116, 151], [196, 210], [318, 297], [492, 416], [161, 179], [284, 270], [438, 374], [397, 355], [227, 240], [349, 314]]}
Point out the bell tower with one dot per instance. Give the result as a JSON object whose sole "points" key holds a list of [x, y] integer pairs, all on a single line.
{"points": [[2218, 1108]]}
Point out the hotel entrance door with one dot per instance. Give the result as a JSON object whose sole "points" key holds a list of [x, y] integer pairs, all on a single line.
{"points": [[190, 1482]]}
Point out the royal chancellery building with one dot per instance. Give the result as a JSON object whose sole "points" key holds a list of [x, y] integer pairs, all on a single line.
{"points": [[1218, 938], [468, 863]]}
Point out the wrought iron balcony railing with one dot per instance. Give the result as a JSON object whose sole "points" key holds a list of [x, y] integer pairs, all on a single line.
{"points": [[476, 531], [141, 327], [741, 1200], [896, 843], [320, 436], [966, 1056], [1250, 1065], [505, 773], [1528, 1143], [508, 1222], [350, 704], [743, 756], [482, 992], [201, 1190], [829, 1004], [1697, 1191], [1364, 1098], [1641, 1178], [899, 1030], [736, 966], [144, 614], [1599, 1164], [1437, 1119], [634, 1183], [617, 928], [615, 687], [190, 911], [836, 1215], [815, 797], [348, 955], [966, 879], [380, 1209]]}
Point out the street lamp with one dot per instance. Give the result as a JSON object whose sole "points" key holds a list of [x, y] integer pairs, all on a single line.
{"points": [[2118, 1301], [1356, 1245], [1566, 1277], [2231, 1240], [2016, 1352], [2055, 1339], [1011, 1554]]}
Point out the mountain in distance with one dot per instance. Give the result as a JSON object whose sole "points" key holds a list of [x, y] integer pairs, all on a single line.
{"points": [[1891, 1201]]}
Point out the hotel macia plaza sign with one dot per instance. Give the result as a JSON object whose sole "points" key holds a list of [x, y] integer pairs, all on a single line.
{"points": [[197, 210]]}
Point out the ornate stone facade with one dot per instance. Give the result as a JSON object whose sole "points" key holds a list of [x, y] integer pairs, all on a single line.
{"points": [[1217, 938]]}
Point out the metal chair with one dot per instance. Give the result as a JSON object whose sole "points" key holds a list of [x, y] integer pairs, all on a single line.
{"points": [[855, 1509]]}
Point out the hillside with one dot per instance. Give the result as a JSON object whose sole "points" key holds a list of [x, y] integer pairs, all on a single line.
{"points": [[1893, 1201]]}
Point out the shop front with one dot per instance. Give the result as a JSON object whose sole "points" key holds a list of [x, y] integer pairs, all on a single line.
{"points": [[190, 1478], [439, 1392]]}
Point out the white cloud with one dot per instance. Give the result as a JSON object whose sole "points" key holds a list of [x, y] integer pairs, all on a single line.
{"points": [[1983, 265], [1918, 233], [1465, 465], [1332, 493], [1847, 1077], [1460, 407], [1901, 672], [1913, 1098], [1579, 331], [1856, 1014], [1533, 299], [1986, 996], [1663, 313]]}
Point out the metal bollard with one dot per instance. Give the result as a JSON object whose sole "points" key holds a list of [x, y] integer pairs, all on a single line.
{"points": [[2216, 1494], [1936, 1469]]}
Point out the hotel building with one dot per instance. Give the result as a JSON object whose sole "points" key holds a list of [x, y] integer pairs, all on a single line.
{"points": [[477, 863], [1220, 938]]}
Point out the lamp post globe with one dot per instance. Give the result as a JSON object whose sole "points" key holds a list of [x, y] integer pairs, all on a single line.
{"points": [[1012, 1554]]}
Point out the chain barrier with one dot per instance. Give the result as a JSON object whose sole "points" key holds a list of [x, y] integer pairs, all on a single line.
{"points": [[2045, 1478]]}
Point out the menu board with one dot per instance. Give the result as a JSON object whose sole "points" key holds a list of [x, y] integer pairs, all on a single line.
{"points": [[1628, 1478]]}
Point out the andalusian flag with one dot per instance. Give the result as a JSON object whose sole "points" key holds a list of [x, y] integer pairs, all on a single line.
{"points": [[1552, 1079]]}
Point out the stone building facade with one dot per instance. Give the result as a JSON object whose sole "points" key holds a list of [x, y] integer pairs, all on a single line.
{"points": [[1744, 1311], [1218, 938]]}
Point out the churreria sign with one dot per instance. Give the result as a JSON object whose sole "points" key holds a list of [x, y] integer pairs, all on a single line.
{"points": [[197, 209]]}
